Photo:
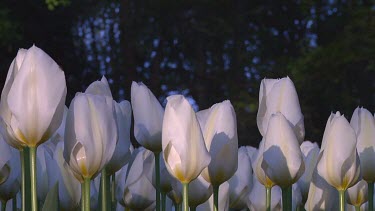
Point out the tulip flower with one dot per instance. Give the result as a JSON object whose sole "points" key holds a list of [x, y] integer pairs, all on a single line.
{"points": [[240, 183], [90, 137], [279, 95], [166, 181], [44, 154], [339, 164], [282, 156], [12, 184], [339, 137], [69, 188], [120, 185], [219, 127], [220, 135], [257, 197], [148, 117], [139, 189], [296, 197], [184, 150], [122, 152], [357, 194], [363, 124], [310, 153], [33, 97]]}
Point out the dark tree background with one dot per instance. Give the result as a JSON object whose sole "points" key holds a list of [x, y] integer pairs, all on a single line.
{"points": [[208, 50]]}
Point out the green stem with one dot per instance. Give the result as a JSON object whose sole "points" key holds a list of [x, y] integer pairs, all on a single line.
{"points": [[25, 178], [163, 200], [357, 208], [216, 198], [157, 175], [34, 196], [370, 196], [193, 208], [342, 200], [105, 192], [179, 207], [113, 192], [85, 193], [287, 198], [185, 196], [268, 198], [127, 209], [3, 205]]}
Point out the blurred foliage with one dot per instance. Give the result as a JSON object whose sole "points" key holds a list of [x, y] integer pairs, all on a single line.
{"points": [[207, 50]]}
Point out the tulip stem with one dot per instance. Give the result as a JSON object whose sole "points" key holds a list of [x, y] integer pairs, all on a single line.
{"points": [[193, 208], [216, 197], [357, 208], [113, 192], [370, 196], [25, 181], [287, 198], [163, 200], [157, 175], [85, 189], [104, 190], [185, 196], [342, 200], [268, 198], [33, 176]]}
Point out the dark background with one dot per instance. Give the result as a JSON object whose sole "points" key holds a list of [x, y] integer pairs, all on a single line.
{"points": [[208, 50]]}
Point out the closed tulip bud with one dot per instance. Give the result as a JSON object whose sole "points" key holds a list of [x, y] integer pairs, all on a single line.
{"points": [[148, 117], [220, 134], [363, 124], [122, 153], [322, 196], [282, 157], [310, 153], [257, 197], [339, 164], [184, 150], [241, 182], [12, 184], [33, 98], [139, 191], [90, 134], [279, 95], [357, 194]]}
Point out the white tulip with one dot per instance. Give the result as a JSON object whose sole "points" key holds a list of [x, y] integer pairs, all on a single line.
{"points": [[258, 170], [90, 134], [148, 117], [282, 156], [279, 95], [122, 153], [357, 194], [363, 124], [139, 192], [184, 150], [12, 184], [220, 135], [339, 164], [33, 98]]}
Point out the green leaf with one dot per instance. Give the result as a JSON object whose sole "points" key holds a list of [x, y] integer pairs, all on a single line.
{"points": [[52, 199]]}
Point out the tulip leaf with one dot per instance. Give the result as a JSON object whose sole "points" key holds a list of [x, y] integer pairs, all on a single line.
{"points": [[52, 199]]}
